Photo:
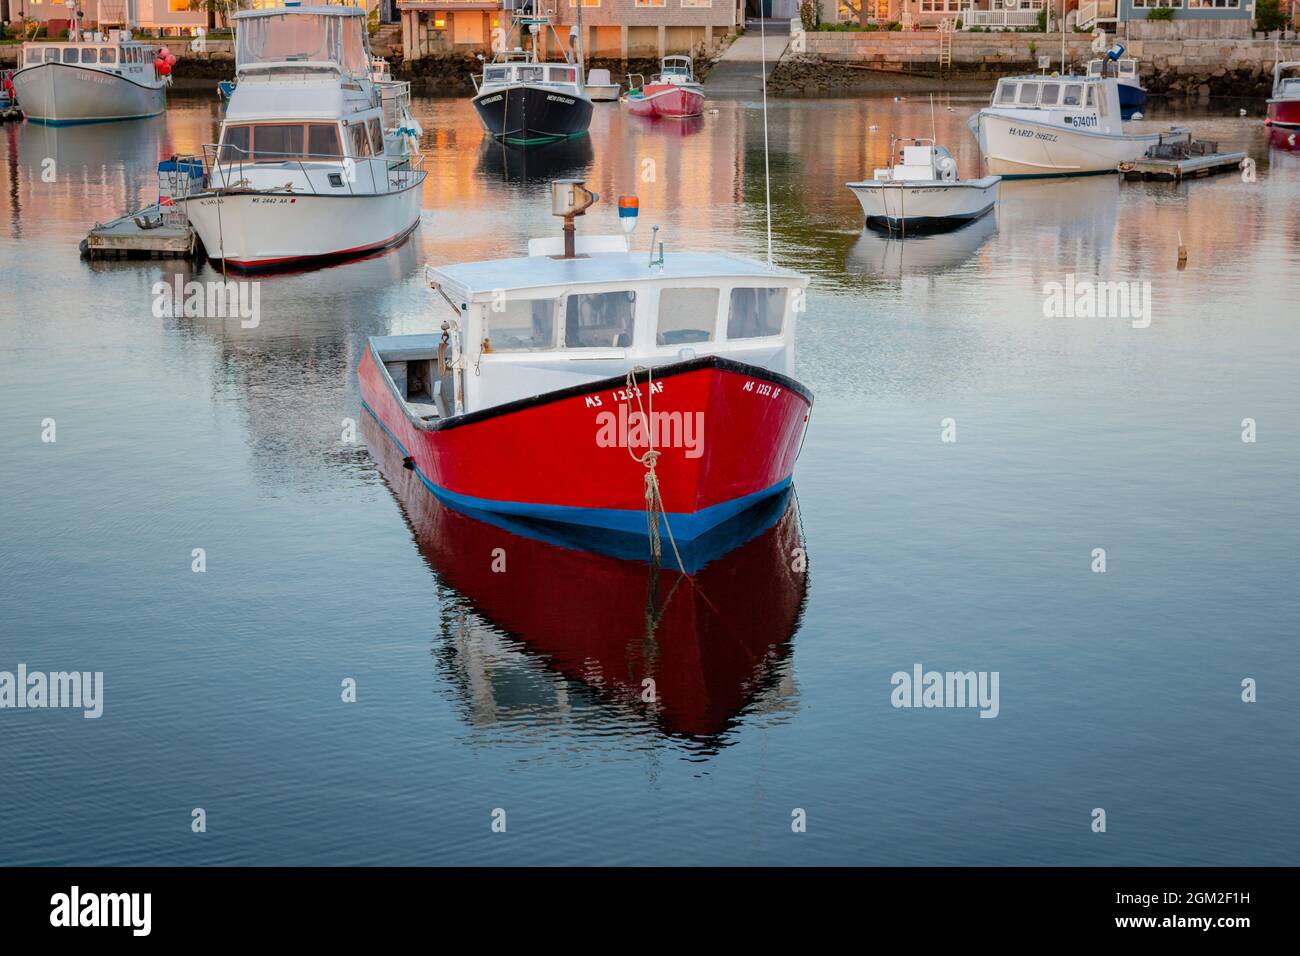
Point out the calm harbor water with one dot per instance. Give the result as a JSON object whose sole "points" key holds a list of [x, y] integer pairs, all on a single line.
{"points": [[222, 689]]}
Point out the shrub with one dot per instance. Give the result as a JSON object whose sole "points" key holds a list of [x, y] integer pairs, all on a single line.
{"points": [[894, 26], [1042, 20], [1161, 13]]}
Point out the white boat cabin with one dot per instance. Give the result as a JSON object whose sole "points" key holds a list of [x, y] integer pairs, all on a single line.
{"points": [[517, 328], [1126, 69], [120, 57], [676, 69], [1077, 102], [1286, 87], [520, 68], [922, 161], [305, 115]]}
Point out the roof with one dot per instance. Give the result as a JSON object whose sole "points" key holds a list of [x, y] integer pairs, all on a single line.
{"points": [[281, 11], [471, 279], [1068, 78]]}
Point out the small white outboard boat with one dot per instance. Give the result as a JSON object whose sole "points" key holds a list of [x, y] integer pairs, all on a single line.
{"points": [[922, 192], [601, 88]]}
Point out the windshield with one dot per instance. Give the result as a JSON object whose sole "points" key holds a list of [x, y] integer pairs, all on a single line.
{"points": [[303, 37]]}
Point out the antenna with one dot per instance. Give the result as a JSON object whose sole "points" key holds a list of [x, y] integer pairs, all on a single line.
{"points": [[767, 170], [934, 136]]}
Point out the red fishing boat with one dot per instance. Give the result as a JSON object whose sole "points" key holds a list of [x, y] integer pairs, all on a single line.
{"points": [[716, 644], [590, 385], [1284, 104], [674, 92]]}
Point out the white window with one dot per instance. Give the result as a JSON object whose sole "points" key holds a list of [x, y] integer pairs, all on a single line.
{"points": [[523, 324], [1028, 95], [755, 313], [1073, 95], [1050, 94], [687, 316], [599, 320], [1006, 93]]}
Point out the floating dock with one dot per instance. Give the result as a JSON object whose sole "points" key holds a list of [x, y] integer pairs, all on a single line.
{"points": [[1177, 160], [134, 236]]}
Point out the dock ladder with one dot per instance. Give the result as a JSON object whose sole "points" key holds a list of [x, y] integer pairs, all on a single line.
{"points": [[945, 47]]}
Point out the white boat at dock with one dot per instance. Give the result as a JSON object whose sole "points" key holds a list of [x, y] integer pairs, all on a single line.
{"points": [[96, 80], [1056, 126], [922, 192], [317, 160]]}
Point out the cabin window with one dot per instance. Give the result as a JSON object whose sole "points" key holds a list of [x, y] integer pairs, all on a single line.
{"points": [[323, 140], [1073, 95], [69, 54], [360, 142], [523, 324], [496, 74], [89, 55], [107, 55], [35, 56], [529, 74], [234, 144], [686, 316], [1090, 97], [376, 135], [1051, 93], [561, 74], [1006, 93], [51, 56], [276, 142], [599, 320], [1028, 95], [755, 313]]}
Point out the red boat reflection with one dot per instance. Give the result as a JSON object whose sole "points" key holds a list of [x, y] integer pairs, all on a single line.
{"points": [[688, 654]]}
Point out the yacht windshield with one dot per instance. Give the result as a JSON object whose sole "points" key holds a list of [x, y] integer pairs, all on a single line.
{"points": [[302, 38]]}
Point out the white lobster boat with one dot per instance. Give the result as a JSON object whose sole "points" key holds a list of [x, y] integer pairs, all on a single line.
{"points": [[922, 192], [90, 81], [317, 160], [1056, 126]]}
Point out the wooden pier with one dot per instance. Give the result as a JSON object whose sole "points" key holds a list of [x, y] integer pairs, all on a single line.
{"points": [[1179, 160], [126, 238]]}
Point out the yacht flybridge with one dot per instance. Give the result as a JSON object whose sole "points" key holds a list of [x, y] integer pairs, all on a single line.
{"points": [[1056, 126], [317, 160], [525, 101], [639, 391]]}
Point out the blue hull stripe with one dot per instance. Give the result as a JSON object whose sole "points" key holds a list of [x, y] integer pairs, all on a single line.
{"points": [[684, 526]]}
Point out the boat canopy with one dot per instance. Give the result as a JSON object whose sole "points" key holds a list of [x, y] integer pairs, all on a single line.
{"points": [[326, 36]]}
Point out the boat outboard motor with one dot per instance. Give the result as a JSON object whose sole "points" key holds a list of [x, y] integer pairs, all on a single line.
{"points": [[944, 165]]}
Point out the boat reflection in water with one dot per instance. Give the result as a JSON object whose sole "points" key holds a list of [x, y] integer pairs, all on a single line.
{"points": [[529, 604], [669, 126], [562, 159], [884, 253]]}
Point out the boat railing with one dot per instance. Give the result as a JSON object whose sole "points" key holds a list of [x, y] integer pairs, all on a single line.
{"points": [[395, 98], [226, 168], [635, 81]]}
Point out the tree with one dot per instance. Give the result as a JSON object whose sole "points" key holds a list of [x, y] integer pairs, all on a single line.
{"points": [[213, 8], [1269, 15]]}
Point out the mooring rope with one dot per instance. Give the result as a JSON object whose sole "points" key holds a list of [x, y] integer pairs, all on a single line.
{"points": [[654, 501]]}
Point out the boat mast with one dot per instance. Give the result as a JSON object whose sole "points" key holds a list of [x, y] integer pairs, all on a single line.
{"points": [[581, 53]]}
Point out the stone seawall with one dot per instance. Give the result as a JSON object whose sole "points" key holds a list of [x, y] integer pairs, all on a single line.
{"points": [[833, 62]]}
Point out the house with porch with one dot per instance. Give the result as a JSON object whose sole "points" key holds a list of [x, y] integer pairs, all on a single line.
{"points": [[1192, 18], [615, 29]]}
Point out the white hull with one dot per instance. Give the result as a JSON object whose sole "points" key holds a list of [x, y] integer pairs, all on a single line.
{"points": [[1021, 147], [603, 92], [276, 229], [66, 93], [926, 203]]}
